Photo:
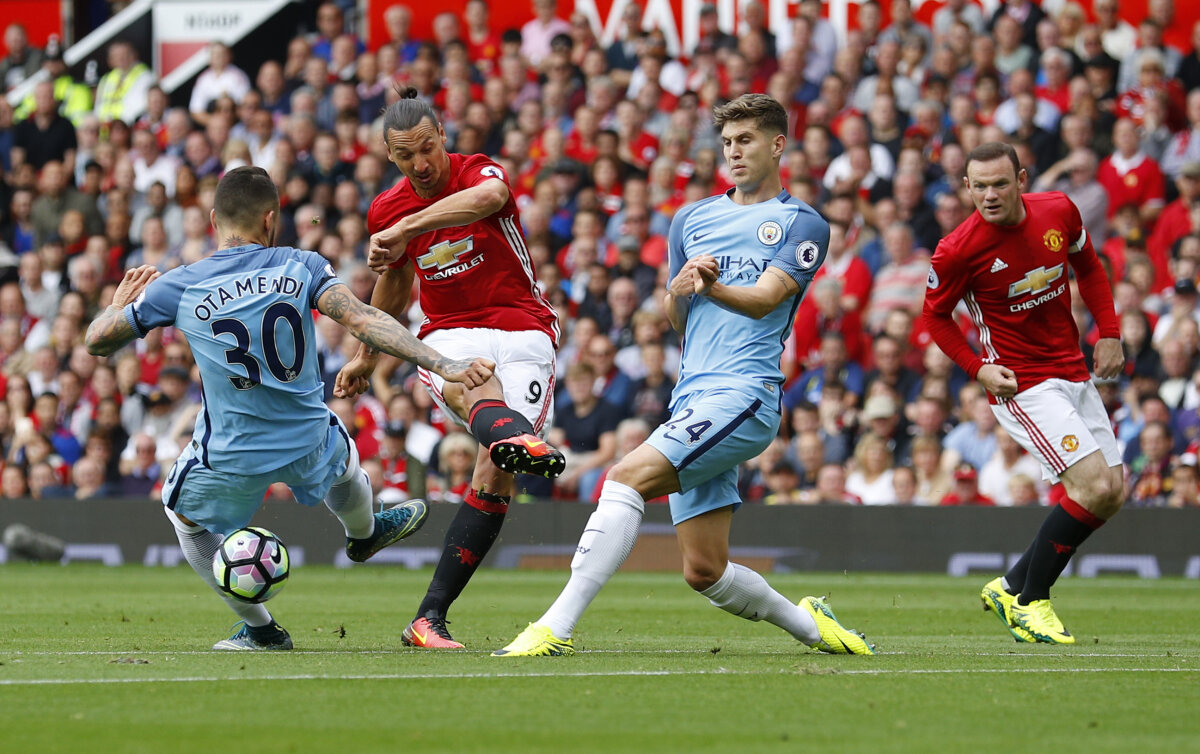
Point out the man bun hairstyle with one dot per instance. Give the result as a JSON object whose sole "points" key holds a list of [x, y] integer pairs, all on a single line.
{"points": [[244, 195], [763, 109], [994, 150], [407, 112]]}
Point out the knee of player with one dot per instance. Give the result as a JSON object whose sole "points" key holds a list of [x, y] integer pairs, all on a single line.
{"points": [[701, 574], [1105, 493]]}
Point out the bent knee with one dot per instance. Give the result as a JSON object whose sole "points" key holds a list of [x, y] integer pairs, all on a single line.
{"points": [[1105, 493], [700, 575]]}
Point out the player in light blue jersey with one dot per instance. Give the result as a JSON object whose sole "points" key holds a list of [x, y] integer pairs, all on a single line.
{"points": [[740, 263], [247, 314]]}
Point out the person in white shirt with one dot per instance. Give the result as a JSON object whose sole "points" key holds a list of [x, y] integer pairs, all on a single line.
{"points": [[151, 166], [1008, 460], [221, 78]]}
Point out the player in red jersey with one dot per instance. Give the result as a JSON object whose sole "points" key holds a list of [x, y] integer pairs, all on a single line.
{"points": [[452, 220], [1008, 262]]}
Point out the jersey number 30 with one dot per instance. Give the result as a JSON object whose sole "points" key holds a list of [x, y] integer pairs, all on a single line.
{"points": [[240, 354]]}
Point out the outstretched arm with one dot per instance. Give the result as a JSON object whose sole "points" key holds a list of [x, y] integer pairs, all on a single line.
{"points": [[110, 331], [460, 208], [383, 333]]}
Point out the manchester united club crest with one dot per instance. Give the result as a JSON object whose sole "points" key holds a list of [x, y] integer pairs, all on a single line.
{"points": [[1053, 239], [1070, 443], [1131, 180], [769, 233]]}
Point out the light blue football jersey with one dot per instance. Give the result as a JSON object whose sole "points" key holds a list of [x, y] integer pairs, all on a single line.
{"points": [[721, 347], [247, 314]]}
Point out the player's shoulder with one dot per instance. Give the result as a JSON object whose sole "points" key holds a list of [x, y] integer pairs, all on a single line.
{"points": [[1047, 201], [803, 212]]}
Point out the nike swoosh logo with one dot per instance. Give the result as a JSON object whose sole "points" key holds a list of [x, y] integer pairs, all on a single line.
{"points": [[598, 531], [698, 236], [419, 636]]}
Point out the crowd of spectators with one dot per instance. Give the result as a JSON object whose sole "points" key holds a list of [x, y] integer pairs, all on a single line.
{"points": [[602, 144]]}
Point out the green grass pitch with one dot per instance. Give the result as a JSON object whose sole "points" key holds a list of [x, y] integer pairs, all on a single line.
{"points": [[98, 659]]}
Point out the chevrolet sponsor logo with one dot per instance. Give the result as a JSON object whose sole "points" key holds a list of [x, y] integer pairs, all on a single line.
{"points": [[1035, 281], [446, 253]]}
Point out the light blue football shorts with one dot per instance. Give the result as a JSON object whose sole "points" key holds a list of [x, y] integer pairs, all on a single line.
{"points": [[710, 433], [223, 502]]}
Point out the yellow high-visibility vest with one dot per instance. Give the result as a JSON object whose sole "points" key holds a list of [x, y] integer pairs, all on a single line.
{"points": [[110, 93], [75, 101]]}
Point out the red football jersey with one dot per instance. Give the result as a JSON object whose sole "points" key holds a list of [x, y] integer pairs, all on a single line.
{"points": [[1015, 283], [476, 275]]}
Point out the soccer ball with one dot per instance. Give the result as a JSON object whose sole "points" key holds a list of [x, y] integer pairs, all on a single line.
{"points": [[251, 565]]}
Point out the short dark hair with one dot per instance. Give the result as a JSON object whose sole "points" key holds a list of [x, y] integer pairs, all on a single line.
{"points": [[244, 195], [994, 150], [407, 112], [766, 111]]}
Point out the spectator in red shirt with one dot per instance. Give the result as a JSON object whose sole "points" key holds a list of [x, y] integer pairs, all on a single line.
{"points": [[966, 488], [1130, 176]]}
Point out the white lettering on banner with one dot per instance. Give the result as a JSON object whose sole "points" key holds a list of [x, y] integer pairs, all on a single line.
{"points": [[962, 563], [170, 556], [409, 557], [1086, 566], [1190, 571], [1145, 566], [3, 554], [108, 554], [199, 22]]}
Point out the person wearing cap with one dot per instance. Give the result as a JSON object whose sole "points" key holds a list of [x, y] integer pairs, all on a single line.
{"points": [[966, 488]]}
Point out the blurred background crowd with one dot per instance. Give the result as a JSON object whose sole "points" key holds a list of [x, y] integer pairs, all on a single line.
{"points": [[602, 145]]}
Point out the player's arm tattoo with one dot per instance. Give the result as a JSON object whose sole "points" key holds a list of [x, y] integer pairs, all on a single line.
{"points": [[789, 283], [109, 332], [383, 333]]}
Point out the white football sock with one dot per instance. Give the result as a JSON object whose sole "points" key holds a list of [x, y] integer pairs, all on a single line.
{"points": [[199, 546], [607, 540], [746, 594], [351, 500]]}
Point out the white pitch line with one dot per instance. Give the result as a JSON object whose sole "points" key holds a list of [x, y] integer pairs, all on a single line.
{"points": [[1064, 653], [598, 674]]}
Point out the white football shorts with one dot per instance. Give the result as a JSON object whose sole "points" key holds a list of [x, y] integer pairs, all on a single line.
{"points": [[524, 366], [1059, 423]]}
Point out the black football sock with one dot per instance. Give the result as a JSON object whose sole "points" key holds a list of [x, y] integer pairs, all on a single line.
{"points": [[468, 540], [1015, 578], [493, 420], [1065, 528]]}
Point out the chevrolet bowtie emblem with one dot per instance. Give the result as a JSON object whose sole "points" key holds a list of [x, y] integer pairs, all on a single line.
{"points": [[1035, 281]]}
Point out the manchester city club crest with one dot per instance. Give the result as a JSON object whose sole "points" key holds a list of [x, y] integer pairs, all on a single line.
{"points": [[770, 232], [806, 254]]}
